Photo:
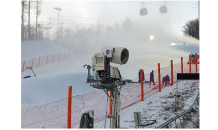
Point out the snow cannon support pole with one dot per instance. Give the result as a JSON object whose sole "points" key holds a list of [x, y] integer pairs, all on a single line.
{"points": [[23, 66], [171, 72], [159, 77], [181, 64], [69, 107], [111, 103], [189, 63], [196, 63], [142, 91], [32, 62]]}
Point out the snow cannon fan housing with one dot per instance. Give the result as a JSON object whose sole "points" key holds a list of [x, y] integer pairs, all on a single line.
{"points": [[118, 55]]}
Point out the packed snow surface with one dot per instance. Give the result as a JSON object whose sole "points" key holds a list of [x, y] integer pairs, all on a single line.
{"points": [[52, 81]]}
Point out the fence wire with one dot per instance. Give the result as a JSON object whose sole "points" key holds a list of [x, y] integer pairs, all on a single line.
{"points": [[54, 115]]}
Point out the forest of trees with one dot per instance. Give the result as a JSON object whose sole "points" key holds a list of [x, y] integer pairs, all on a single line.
{"points": [[191, 28], [31, 31]]}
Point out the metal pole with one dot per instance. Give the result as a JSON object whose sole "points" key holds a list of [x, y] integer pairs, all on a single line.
{"points": [[171, 72], [36, 18], [29, 22], [69, 107], [196, 62], [111, 103], [142, 91], [189, 63], [181, 64], [159, 77], [58, 26], [199, 17]]}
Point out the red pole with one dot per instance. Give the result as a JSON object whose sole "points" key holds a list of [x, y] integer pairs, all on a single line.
{"points": [[142, 91], [53, 59], [171, 72], [23, 66], [196, 62], [182, 64], [69, 107], [111, 95], [189, 63], [39, 61], [32, 62], [47, 60], [159, 77]]}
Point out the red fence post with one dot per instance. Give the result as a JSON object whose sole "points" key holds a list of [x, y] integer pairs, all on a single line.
{"points": [[23, 66], [47, 60], [171, 72], [111, 95], [196, 62], [142, 91], [69, 107], [159, 77], [53, 59], [181, 64], [32, 62], [189, 63], [39, 61]]}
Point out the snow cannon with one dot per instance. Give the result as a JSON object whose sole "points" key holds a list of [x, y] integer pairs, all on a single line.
{"points": [[193, 59]]}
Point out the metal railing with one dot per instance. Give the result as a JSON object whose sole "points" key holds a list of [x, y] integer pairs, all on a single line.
{"points": [[164, 125]]}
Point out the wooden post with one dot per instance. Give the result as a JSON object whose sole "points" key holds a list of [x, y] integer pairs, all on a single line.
{"points": [[142, 91], [171, 72], [111, 95], [159, 77], [189, 63], [181, 64], [196, 63], [69, 107]]}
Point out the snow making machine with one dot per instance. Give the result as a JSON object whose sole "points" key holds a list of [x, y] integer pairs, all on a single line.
{"points": [[109, 78]]}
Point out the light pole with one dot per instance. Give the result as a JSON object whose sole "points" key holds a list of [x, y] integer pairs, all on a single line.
{"points": [[59, 9], [199, 18]]}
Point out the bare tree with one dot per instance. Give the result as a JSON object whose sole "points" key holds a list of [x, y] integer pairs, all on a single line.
{"points": [[38, 11]]}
